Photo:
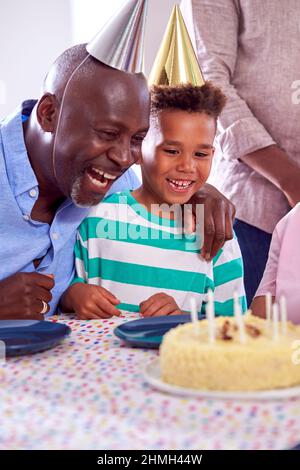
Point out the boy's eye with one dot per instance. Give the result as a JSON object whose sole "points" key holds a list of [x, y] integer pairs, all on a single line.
{"points": [[201, 154], [171, 151]]}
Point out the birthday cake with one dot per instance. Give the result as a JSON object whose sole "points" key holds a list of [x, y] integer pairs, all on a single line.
{"points": [[260, 362]]}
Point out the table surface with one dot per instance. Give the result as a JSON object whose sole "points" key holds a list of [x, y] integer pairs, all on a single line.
{"points": [[89, 393]]}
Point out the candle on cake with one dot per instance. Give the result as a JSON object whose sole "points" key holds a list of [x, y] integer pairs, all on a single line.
{"points": [[283, 314], [194, 316], [239, 317], [210, 315], [268, 299], [275, 322]]}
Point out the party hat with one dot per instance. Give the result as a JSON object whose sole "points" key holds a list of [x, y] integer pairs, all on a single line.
{"points": [[176, 61], [120, 43]]}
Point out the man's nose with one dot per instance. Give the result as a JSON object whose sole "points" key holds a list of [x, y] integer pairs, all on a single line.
{"points": [[121, 154]]}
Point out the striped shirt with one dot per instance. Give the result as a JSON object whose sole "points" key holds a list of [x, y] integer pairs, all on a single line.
{"points": [[135, 254]]}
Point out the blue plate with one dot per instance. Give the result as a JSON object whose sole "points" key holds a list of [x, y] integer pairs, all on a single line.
{"points": [[30, 336], [149, 332], [296, 448]]}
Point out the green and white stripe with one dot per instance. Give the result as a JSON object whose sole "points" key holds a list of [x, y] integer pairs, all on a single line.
{"points": [[135, 254]]}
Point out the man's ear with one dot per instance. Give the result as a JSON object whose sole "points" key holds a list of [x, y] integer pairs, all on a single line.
{"points": [[47, 112], [139, 160]]}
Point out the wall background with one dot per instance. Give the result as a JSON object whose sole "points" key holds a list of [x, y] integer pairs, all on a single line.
{"points": [[33, 33]]}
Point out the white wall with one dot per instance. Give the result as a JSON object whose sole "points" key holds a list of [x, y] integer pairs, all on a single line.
{"points": [[34, 32]]}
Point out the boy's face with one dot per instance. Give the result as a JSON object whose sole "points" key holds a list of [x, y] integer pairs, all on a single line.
{"points": [[177, 155]]}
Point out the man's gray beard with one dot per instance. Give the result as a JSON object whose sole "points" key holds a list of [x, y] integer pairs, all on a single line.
{"points": [[75, 195]]}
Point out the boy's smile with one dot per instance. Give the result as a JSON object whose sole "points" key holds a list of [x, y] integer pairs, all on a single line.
{"points": [[180, 185], [176, 156]]}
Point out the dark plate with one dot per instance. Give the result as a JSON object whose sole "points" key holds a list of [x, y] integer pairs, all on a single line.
{"points": [[296, 448], [148, 332], [27, 336]]}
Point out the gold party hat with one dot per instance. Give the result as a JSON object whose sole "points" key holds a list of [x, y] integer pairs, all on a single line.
{"points": [[176, 61], [120, 43]]}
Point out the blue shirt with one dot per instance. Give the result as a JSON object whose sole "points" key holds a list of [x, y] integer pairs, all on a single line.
{"points": [[22, 239]]}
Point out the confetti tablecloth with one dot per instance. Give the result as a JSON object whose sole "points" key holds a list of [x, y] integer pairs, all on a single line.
{"points": [[89, 393]]}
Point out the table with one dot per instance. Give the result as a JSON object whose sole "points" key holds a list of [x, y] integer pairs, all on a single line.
{"points": [[89, 393]]}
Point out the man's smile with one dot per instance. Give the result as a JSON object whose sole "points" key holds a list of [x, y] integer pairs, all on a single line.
{"points": [[99, 179]]}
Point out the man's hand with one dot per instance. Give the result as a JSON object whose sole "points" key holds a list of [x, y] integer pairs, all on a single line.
{"points": [[90, 302], [22, 296], [159, 304], [219, 215]]}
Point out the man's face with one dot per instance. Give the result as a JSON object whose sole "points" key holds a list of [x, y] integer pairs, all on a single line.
{"points": [[103, 123], [177, 155]]}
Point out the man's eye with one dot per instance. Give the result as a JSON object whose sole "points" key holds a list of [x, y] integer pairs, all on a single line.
{"points": [[107, 135], [171, 151], [137, 140]]}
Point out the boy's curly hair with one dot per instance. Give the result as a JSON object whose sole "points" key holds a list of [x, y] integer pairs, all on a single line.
{"points": [[207, 99]]}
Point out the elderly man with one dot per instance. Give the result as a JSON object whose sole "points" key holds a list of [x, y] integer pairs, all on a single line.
{"points": [[55, 163]]}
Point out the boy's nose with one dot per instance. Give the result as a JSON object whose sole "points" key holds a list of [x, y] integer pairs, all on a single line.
{"points": [[186, 164]]}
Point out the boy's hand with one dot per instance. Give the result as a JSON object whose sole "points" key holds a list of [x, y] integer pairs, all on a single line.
{"points": [[159, 304], [92, 302]]}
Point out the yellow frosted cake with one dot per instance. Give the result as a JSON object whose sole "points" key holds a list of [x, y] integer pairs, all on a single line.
{"points": [[259, 363]]}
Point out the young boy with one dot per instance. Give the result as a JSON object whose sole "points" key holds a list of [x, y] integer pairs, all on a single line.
{"points": [[132, 252]]}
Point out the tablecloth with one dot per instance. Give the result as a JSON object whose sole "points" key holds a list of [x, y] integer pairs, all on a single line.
{"points": [[89, 393]]}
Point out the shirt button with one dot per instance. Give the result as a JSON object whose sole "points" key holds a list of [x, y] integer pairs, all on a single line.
{"points": [[32, 193], [26, 217], [55, 236]]}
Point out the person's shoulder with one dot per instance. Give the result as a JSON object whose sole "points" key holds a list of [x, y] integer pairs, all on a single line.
{"points": [[292, 217], [293, 213], [1, 142], [3, 170], [290, 221]]}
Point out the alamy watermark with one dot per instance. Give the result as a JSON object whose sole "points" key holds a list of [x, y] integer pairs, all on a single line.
{"points": [[163, 222], [296, 94], [2, 352], [296, 353]]}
